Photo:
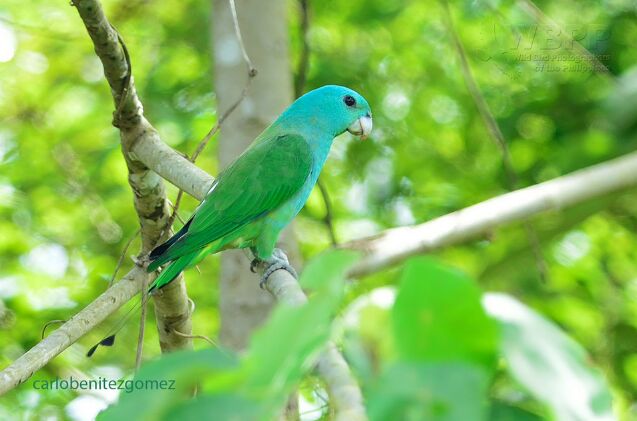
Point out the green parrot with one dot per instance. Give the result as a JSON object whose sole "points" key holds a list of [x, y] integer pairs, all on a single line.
{"points": [[260, 193]]}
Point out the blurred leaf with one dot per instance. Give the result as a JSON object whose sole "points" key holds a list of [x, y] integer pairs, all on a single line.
{"points": [[219, 406], [328, 269], [287, 346], [503, 412], [182, 369], [438, 317], [433, 392], [549, 364]]}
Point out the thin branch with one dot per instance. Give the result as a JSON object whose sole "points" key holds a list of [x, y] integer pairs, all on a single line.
{"points": [[205, 338], [252, 73], [496, 135], [67, 334], [223, 118], [304, 56], [299, 86], [120, 261], [478, 99], [328, 218], [49, 323], [142, 324]]}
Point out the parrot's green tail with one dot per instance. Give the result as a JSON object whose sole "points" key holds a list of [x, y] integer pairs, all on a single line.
{"points": [[169, 273]]}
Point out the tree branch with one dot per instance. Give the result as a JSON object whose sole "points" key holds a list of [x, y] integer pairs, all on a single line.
{"points": [[395, 245], [67, 334], [171, 307], [345, 395]]}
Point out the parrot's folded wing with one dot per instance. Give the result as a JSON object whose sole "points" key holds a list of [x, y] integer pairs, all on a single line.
{"points": [[263, 178]]}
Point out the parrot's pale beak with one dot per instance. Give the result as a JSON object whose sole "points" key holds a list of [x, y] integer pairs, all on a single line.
{"points": [[361, 127]]}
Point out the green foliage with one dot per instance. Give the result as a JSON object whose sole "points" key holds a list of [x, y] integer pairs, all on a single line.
{"points": [[443, 306], [429, 377], [549, 364], [430, 391], [446, 349], [434, 378], [183, 370], [66, 209], [288, 345], [280, 353]]}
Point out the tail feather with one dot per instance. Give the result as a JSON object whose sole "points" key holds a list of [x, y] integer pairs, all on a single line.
{"points": [[171, 272], [160, 249]]}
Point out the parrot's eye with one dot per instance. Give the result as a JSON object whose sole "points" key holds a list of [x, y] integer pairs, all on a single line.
{"points": [[349, 100]]}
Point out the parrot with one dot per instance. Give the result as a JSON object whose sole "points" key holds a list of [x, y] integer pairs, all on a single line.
{"points": [[260, 193]]}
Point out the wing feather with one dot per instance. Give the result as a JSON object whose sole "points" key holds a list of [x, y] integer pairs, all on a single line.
{"points": [[263, 178]]}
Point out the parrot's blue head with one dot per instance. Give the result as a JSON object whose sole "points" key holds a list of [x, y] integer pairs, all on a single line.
{"points": [[333, 109]]}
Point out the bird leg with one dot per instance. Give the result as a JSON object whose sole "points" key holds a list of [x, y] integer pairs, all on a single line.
{"points": [[278, 261]]}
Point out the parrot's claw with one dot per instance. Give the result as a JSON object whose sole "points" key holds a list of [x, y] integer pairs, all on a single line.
{"points": [[254, 264], [278, 261], [141, 261]]}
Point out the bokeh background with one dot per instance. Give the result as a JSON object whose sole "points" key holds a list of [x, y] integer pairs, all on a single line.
{"points": [[66, 208]]}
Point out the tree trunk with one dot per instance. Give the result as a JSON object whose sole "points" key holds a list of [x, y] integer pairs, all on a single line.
{"points": [[263, 24]]}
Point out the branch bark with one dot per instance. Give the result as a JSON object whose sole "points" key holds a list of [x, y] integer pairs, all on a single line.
{"points": [[397, 244], [345, 395], [67, 334], [172, 308]]}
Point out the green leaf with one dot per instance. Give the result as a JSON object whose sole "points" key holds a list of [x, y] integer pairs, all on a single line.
{"points": [[433, 392], [180, 370], [549, 364], [503, 412], [226, 407], [288, 345], [328, 269], [438, 317]]}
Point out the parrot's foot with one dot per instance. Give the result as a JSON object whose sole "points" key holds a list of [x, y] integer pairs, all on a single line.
{"points": [[141, 261], [278, 261]]}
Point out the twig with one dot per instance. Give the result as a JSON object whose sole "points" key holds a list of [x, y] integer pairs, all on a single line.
{"points": [[49, 323], [304, 56], [328, 218], [252, 73], [496, 135], [67, 334], [142, 323], [205, 338], [299, 86], [120, 261]]}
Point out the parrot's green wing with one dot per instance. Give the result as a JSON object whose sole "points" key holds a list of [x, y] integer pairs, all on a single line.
{"points": [[263, 178]]}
